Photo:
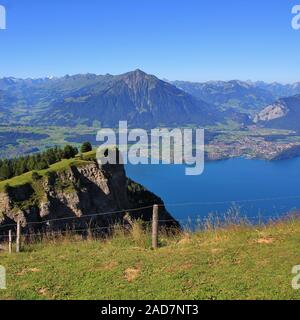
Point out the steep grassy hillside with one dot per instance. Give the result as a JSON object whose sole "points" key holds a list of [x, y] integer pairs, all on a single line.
{"points": [[237, 262]]}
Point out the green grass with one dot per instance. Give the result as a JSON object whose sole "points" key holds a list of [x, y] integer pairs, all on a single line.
{"points": [[237, 262], [57, 167]]}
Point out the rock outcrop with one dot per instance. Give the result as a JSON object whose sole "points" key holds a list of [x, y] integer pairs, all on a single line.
{"points": [[283, 114], [272, 112], [78, 197]]}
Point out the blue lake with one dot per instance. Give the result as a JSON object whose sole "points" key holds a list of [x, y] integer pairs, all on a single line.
{"points": [[259, 189]]}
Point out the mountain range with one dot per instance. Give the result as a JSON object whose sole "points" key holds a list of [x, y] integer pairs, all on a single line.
{"points": [[141, 99], [146, 101], [244, 96], [279, 90]]}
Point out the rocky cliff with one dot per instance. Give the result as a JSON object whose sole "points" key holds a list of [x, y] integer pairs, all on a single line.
{"points": [[75, 198]]}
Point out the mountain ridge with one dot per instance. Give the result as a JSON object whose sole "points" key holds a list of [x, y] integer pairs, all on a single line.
{"points": [[244, 96], [140, 98]]}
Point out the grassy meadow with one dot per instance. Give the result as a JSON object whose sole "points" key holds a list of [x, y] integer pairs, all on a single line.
{"points": [[232, 262]]}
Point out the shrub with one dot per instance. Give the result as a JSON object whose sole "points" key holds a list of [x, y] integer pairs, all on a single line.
{"points": [[69, 152], [35, 176], [86, 147]]}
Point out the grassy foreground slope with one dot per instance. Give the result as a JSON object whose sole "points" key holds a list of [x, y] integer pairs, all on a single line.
{"points": [[237, 262]]}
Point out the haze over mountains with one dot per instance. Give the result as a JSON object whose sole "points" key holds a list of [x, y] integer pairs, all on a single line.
{"points": [[249, 97], [146, 101], [239, 95]]}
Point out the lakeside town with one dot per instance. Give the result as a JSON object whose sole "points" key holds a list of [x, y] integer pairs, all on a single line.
{"points": [[253, 146]]}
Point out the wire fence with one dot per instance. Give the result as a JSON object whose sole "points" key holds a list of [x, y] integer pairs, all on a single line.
{"points": [[233, 201], [191, 222], [188, 224]]}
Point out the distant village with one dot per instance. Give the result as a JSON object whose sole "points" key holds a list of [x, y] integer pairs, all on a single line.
{"points": [[252, 147]]}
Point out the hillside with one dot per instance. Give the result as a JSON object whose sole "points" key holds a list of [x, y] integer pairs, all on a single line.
{"points": [[73, 194], [237, 262], [283, 114]]}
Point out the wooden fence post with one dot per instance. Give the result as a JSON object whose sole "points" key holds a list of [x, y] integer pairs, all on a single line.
{"points": [[155, 227], [9, 242], [18, 236]]}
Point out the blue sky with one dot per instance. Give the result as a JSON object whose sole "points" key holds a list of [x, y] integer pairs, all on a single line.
{"points": [[195, 40]]}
